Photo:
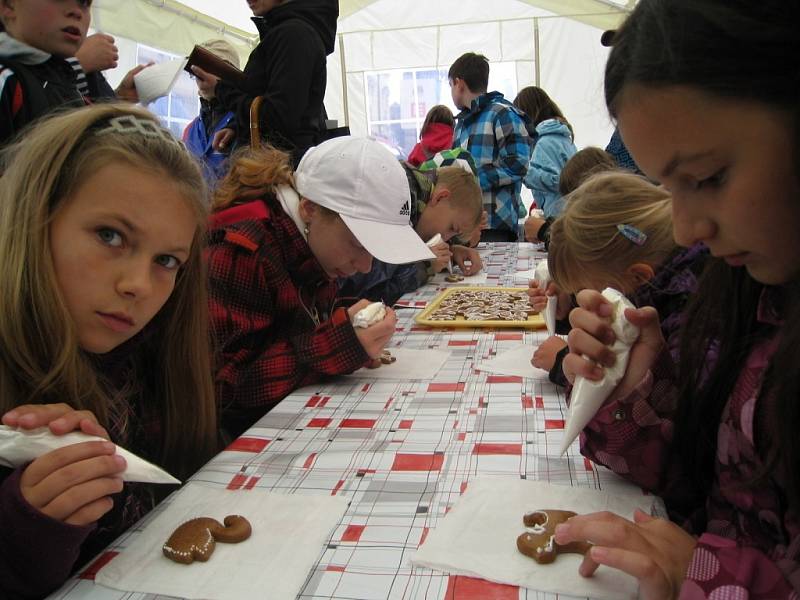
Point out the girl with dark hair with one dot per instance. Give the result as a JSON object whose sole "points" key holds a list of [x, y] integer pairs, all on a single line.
{"points": [[436, 135], [553, 147], [706, 97]]}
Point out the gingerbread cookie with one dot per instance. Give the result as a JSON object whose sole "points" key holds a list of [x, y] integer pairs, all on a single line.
{"points": [[539, 541], [385, 358], [454, 278], [196, 539]]}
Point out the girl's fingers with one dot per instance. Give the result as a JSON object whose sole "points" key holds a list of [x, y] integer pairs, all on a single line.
{"points": [[31, 416], [595, 302], [90, 513], [77, 497], [71, 475], [586, 345], [653, 581], [575, 365], [599, 327], [71, 421], [47, 464]]}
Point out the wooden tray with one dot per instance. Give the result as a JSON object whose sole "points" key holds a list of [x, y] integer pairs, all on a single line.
{"points": [[534, 321]]}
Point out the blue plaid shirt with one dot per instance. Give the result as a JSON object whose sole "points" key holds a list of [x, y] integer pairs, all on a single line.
{"points": [[494, 132]]}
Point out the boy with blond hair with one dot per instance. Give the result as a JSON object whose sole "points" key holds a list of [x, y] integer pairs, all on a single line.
{"points": [[445, 201]]}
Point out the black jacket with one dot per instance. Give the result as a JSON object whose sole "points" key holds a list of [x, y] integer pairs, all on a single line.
{"points": [[287, 68], [33, 83]]}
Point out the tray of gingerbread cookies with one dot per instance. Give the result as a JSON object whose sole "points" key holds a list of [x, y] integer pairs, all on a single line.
{"points": [[481, 307]]}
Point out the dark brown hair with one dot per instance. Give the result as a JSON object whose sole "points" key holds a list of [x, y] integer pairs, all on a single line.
{"points": [[737, 50], [473, 69], [536, 103]]}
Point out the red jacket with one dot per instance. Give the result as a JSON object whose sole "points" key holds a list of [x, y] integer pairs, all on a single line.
{"points": [[435, 138], [263, 277]]}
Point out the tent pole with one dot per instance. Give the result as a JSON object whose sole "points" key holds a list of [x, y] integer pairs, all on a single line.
{"points": [[536, 51], [344, 81]]}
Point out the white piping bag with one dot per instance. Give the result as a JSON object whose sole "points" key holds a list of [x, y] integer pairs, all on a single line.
{"points": [[542, 274], [20, 446], [588, 396]]}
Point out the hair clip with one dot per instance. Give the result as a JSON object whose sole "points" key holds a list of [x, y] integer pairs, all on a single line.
{"points": [[637, 236], [127, 124]]}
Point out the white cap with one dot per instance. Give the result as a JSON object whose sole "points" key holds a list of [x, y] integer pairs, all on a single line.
{"points": [[365, 184]]}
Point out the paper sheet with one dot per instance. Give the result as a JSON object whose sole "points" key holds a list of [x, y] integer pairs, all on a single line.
{"points": [[20, 446], [514, 362], [411, 364], [478, 536], [156, 81], [289, 533], [525, 275]]}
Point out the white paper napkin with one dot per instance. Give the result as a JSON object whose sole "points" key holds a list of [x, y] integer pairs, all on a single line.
{"points": [[157, 80], [542, 274], [513, 362], [478, 537], [20, 446], [410, 364], [588, 396], [289, 533]]}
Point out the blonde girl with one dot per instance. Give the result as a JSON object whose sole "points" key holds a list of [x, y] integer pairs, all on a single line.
{"points": [[617, 232], [103, 329]]}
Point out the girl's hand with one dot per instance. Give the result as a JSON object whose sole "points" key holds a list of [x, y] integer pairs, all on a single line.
{"points": [[222, 139], [537, 297], [375, 337], [60, 418], [655, 551], [531, 227], [591, 337], [73, 484], [443, 256], [468, 259], [545, 355]]}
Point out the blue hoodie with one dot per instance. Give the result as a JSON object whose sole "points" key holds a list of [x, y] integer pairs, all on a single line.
{"points": [[553, 149]]}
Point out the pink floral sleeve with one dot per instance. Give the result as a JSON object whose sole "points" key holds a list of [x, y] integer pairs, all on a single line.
{"points": [[722, 570]]}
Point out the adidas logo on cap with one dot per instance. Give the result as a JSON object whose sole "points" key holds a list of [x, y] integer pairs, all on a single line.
{"points": [[405, 210]]}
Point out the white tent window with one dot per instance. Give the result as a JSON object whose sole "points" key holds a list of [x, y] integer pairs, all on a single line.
{"points": [[398, 100]]}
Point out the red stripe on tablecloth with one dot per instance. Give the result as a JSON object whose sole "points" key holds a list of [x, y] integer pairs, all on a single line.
{"points": [[503, 379], [460, 587], [237, 481], [418, 462], [245, 444], [507, 337], [486, 448], [357, 424], [92, 570], [353, 533], [445, 387]]}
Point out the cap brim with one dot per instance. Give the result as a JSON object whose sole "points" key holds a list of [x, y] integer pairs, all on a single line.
{"points": [[393, 244]]}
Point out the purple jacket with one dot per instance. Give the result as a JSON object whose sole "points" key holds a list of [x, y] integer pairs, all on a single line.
{"points": [[749, 546]]}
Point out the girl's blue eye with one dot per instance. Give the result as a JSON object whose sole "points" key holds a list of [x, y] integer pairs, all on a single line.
{"points": [[168, 261], [110, 237]]}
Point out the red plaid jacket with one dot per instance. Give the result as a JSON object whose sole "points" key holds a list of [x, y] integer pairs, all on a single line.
{"points": [[263, 277]]}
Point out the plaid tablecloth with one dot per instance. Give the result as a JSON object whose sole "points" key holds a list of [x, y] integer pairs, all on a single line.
{"points": [[402, 453]]}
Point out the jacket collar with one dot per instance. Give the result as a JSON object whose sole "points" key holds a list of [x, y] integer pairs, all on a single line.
{"points": [[23, 53]]}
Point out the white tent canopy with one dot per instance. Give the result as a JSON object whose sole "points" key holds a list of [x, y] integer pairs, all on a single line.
{"points": [[392, 56]]}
